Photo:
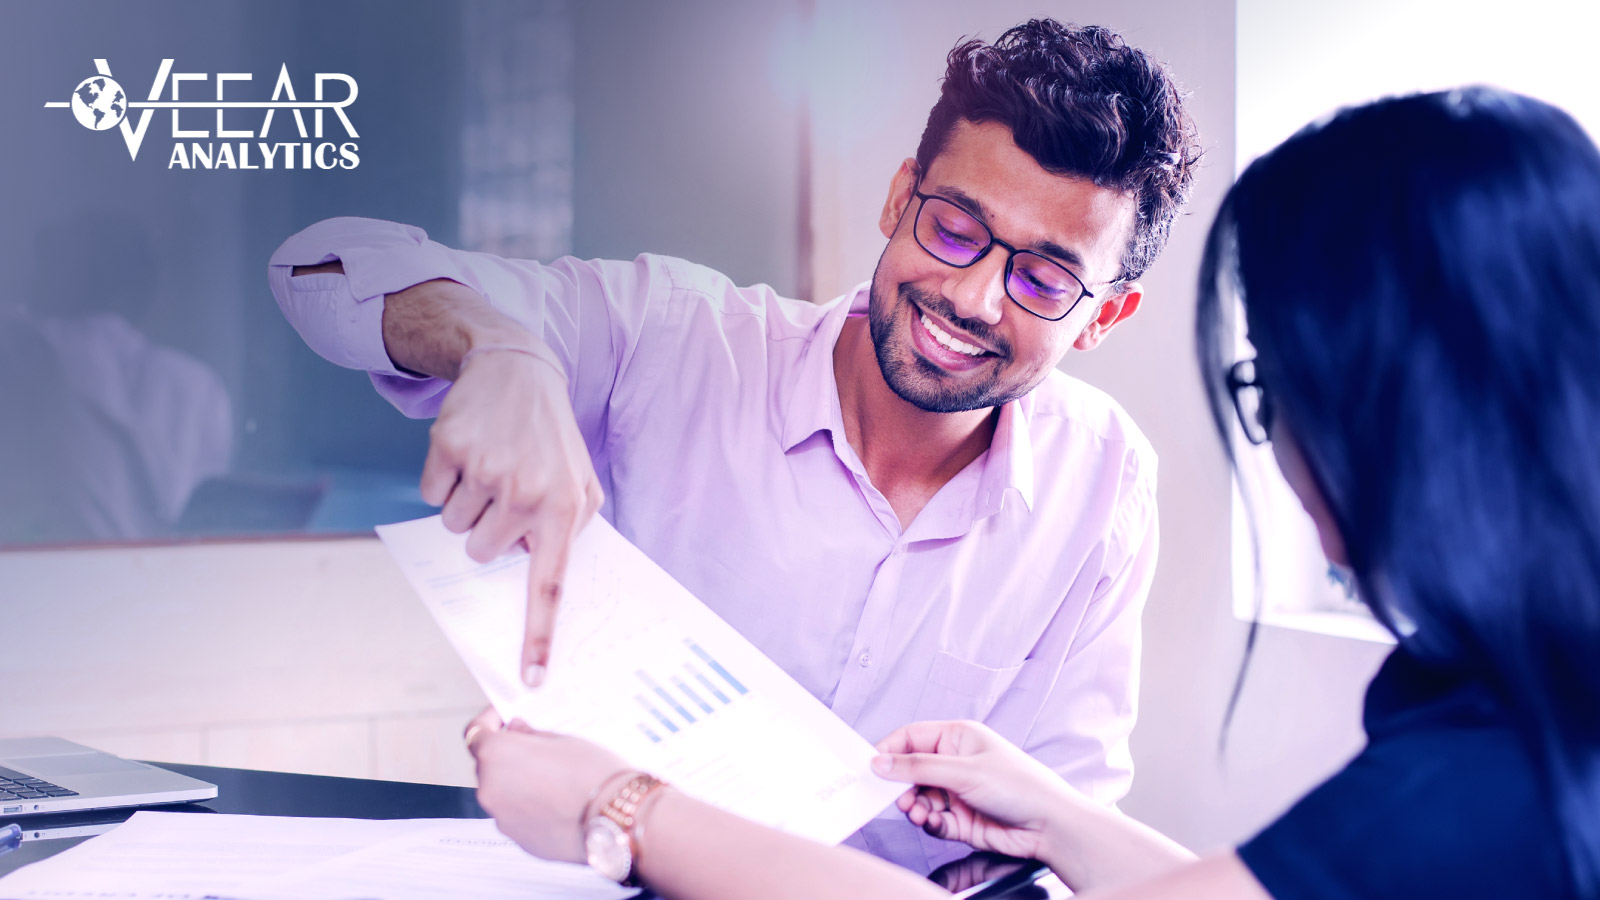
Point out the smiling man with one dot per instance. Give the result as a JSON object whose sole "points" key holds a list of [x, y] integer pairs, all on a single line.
{"points": [[893, 495]]}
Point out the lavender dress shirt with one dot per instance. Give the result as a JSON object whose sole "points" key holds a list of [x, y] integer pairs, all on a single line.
{"points": [[713, 418]]}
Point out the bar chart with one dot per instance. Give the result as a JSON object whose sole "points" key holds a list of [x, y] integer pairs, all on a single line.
{"points": [[676, 700]]}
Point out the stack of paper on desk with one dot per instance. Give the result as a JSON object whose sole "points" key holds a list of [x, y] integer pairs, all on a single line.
{"points": [[644, 669], [189, 856]]}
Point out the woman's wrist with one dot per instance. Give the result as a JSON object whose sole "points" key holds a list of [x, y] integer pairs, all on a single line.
{"points": [[1061, 838], [624, 800], [1092, 846], [641, 819], [649, 863], [602, 794]]}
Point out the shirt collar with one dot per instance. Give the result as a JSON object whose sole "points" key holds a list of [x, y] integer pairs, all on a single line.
{"points": [[1008, 465], [814, 406], [814, 400]]}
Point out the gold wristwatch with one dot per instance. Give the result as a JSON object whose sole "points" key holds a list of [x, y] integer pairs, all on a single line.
{"points": [[611, 836]]}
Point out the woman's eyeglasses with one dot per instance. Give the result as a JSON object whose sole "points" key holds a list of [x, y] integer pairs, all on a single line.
{"points": [[1250, 401]]}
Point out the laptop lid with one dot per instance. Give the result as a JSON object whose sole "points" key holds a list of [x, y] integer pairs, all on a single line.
{"points": [[51, 775]]}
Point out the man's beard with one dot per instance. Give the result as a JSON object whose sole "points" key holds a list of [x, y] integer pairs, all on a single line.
{"points": [[918, 381]]}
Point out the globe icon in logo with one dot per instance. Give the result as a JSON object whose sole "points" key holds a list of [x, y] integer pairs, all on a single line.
{"points": [[99, 103]]}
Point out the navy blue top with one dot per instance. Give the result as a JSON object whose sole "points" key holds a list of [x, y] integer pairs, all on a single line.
{"points": [[1445, 801]]}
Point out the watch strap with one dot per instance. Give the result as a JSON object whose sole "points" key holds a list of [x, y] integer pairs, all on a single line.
{"points": [[626, 809]]}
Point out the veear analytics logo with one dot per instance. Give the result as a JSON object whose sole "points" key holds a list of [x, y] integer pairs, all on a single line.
{"points": [[100, 103]]}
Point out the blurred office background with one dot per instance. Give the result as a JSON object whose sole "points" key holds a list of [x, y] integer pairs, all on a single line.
{"points": [[186, 491]]}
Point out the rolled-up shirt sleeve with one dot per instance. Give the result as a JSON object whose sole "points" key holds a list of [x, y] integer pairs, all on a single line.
{"points": [[590, 313]]}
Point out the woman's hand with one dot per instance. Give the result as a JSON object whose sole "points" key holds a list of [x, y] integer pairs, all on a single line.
{"points": [[537, 785], [974, 786]]}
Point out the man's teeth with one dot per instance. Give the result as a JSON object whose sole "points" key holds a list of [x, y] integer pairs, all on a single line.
{"points": [[945, 340]]}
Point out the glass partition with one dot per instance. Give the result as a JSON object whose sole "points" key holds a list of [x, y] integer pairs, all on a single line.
{"points": [[152, 389]]}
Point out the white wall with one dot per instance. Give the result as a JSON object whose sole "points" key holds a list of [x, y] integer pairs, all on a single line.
{"points": [[1301, 59], [688, 140], [303, 656]]}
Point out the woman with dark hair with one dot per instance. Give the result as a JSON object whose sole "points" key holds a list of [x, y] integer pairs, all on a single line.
{"points": [[1420, 278]]}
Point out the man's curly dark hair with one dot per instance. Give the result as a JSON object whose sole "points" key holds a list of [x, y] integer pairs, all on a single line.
{"points": [[1081, 102]]}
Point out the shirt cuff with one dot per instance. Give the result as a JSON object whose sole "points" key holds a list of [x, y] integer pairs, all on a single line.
{"points": [[379, 257], [341, 316], [328, 316]]}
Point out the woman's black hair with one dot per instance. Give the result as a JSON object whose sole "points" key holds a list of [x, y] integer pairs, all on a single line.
{"points": [[1420, 278]]}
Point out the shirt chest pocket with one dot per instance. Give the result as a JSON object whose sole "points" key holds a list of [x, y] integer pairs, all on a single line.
{"points": [[958, 689]]}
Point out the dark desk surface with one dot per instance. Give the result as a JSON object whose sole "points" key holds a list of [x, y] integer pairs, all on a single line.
{"points": [[248, 792], [244, 791]]}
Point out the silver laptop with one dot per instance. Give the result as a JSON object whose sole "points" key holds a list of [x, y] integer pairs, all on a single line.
{"points": [[50, 775]]}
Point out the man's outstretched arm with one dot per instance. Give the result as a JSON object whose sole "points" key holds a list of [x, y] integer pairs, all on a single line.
{"points": [[506, 479], [429, 327], [507, 460]]}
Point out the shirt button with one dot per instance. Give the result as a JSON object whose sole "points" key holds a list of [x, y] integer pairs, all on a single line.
{"points": [[865, 659]]}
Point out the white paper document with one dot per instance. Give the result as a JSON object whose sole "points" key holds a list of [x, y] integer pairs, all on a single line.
{"points": [[468, 858], [641, 667], [190, 856]]}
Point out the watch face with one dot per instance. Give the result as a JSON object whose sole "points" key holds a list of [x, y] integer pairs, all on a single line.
{"points": [[607, 848]]}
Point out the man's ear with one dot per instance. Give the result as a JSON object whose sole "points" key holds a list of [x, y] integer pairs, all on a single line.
{"points": [[1114, 311], [900, 188]]}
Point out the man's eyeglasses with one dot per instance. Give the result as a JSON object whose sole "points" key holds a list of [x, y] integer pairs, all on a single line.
{"points": [[955, 237], [1250, 401]]}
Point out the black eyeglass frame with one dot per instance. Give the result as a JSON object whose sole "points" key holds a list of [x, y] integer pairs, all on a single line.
{"points": [[1240, 377], [1011, 258]]}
